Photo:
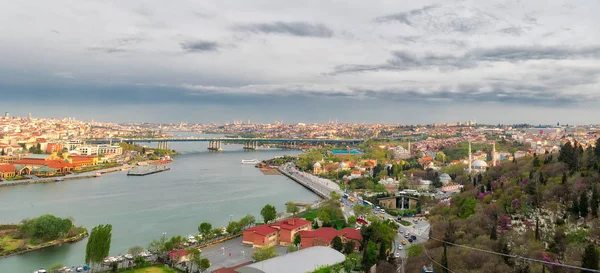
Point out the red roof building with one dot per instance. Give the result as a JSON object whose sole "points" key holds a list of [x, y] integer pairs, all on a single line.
{"points": [[289, 227], [7, 170], [281, 233], [324, 236], [260, 236]]}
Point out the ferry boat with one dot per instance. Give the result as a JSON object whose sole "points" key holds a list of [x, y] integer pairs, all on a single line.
{"points": [[250, 161]]}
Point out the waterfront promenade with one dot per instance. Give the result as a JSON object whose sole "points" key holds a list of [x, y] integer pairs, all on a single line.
{"points": [[90, 174], [320, 186]]}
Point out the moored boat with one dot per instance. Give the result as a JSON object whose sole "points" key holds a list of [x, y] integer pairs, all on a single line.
{"points": [[250, 161], [98, 174]]}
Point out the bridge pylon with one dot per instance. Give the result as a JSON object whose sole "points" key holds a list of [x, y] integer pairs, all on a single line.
{"points": [[251, 145], [214, 146]]}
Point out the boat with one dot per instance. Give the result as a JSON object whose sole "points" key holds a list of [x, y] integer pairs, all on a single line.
{"points": [[98, 174], [129, 256], [58, 179], [41, 270], [250, 161]]}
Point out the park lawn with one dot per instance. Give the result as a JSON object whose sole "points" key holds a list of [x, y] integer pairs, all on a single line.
{"points": [[8, 243], [152, 269]]}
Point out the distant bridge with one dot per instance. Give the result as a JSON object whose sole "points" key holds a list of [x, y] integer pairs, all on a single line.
{"points": [[249, 143]]}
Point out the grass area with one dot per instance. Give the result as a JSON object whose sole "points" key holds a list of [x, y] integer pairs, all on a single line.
{"points": [[310, 215], [152, 269], [405, 223], [8, 243]]}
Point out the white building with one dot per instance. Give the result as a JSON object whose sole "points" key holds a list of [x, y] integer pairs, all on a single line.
{"points": [[108, 149]]}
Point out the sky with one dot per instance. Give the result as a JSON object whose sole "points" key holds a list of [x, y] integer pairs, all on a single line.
{"points": [[397, 61]]}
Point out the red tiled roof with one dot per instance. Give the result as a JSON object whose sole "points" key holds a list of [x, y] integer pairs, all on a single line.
{"points": [[7, 168], [325, 233], [262, 230], [351, 233], [177, 253], [32, 161], [291, 223]]}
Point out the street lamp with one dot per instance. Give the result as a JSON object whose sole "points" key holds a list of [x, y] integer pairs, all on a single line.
{"points": [[230, 217], [223, 249], [164, 235], [243, 254]]}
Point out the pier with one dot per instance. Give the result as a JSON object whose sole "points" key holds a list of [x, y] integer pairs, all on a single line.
{"points": [[141, 171], [320, 186]]}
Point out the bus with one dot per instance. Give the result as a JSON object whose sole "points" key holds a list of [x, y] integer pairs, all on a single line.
{"points": [[368, 204]]}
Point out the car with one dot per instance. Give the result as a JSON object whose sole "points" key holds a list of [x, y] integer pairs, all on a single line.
{"points": [[406, 235], [413, 237], [399, 218], [397, 255], [382, 211], [400, 247], [410, 240], [403, 242]]}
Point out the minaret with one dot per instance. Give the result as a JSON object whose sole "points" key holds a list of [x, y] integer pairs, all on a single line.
{"points": [[494, 154], [409, 147], [470, 156]]}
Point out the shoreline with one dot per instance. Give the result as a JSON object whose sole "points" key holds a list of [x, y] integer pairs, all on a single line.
{"points": [[49, 244], [64, 178]]}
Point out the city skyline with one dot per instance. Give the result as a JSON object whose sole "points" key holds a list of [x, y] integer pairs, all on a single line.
{"points": [[388, 62]]}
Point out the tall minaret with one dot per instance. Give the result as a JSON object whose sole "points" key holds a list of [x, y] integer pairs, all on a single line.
{"points": [[494, 154], [470, 156], [409, 147]]}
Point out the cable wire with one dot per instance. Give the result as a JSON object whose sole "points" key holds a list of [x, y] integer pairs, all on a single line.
{"points": [[517, 257], [433, 260]]}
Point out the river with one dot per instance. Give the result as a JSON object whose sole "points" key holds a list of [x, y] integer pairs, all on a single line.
{"points": [[201, 186]]}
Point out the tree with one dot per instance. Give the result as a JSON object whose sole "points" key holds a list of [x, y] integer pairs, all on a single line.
{"points": [[595, 202], [291, 208], [349, 247], [352, 221], [98, 245], [583, 205], [268, 213], [140, 261], [297, 239], [575, 208], [382, 252], [135, 251], [369, 255], [46, 227], [590, 258], [264, 253], [246, 221], [380, 188], [233, 228], [337, 244], [324, 216], [205, 229], [204, 264], [361, 211], [445, 260], [564, 178]]}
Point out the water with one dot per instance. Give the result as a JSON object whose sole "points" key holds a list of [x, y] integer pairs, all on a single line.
{"points": [[201, 186]]}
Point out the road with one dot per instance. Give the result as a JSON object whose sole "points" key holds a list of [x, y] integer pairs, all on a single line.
{"points": [[321, 185]]}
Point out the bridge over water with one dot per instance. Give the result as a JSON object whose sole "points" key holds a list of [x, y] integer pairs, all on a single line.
{"points": [[249, 143]]}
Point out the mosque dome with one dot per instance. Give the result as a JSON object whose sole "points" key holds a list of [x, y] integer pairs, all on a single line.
{"points": [[479, 164], [445, 176], [317, 165], [342, 165]]}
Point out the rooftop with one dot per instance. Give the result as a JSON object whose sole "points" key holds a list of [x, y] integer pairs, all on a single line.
{"points": [[302, 261]]}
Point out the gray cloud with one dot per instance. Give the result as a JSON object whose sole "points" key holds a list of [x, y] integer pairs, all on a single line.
{"points": [[402, 60], [106, 49], [199, 46], [289, 28]]}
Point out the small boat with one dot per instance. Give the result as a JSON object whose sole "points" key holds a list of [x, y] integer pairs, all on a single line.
{"points": [[98, 174], [250, 161], [129, 256], [58, 180], [41, 270]]}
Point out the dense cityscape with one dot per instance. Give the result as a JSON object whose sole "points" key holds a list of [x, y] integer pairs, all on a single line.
{"points": [[420, 188]]}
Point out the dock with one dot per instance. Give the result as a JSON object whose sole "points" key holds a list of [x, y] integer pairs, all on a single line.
{"points": [[141, 171]]}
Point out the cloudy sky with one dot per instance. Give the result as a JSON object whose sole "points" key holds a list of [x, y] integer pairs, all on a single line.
{"points": [[391, 61]]}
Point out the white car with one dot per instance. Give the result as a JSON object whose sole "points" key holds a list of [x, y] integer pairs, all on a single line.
{"points": [[400, 247], [397, 255]]}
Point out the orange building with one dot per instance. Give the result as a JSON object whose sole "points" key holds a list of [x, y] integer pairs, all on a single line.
{"points": [[281, 233], [84, 160], [54, 148], [324, 236], [7, 170], [260, 236]]}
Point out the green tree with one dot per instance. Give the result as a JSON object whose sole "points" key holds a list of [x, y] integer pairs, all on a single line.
{"points": [[291, 208], [415, 250], [264, 253], [140, 261], [324, 216], [98, 245], [268, 213], [337, 244], [380, 188], [46, 227], [445, 260], [233, 228], [583, 205], [56, 267], [297, 239], [204, 265], [361, 211], [205, 229], [369, 255], [292, 248], [246, 221], [590, 258], [349, 247], [352, 221], [595, 202]]}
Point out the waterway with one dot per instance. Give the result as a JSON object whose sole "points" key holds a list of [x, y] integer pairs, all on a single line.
{"points": [[201, 186]]}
